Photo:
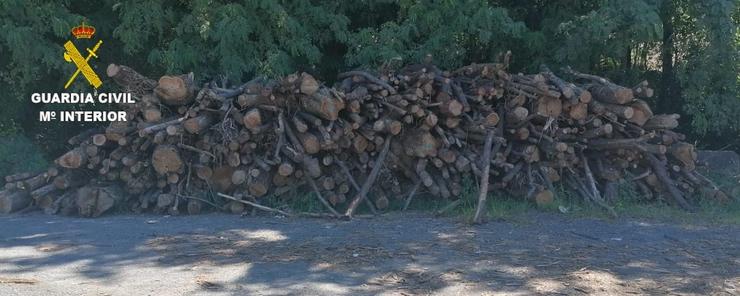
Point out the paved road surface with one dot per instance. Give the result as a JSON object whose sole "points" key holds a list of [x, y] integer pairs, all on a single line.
{"points": [[230, 255]]}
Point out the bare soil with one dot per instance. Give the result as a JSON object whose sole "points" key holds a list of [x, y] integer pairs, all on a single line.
{"points": [[413, 254]]}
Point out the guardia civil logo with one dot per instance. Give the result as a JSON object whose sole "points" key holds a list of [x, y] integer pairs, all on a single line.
{"points": [[72, 55], [82, 34]]}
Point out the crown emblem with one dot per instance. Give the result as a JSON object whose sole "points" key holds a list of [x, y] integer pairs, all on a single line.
{"points": [[83, 31]]}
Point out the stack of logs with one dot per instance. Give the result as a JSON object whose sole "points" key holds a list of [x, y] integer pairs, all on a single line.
{"points": [[369, 139]]}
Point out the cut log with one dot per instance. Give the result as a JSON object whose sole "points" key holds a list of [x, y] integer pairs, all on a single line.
{"points": [[152, 114], [198, 124], [33, 183], [166, 159], [662, 121], [73, 159], [12, 201], [548, 107], [175, 90], [130, 79], [260, 184], [611, 93], [309, 85], [93, 201], [252, 119], [286, 169], [70, 179], [322, 104], [544, 198], [578, 111], [625, 112], [684, 153], [420, 144], [642, 112], [667, 182]]}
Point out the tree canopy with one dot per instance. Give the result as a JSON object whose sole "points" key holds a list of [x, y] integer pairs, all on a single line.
{"points": [[688, 49]]}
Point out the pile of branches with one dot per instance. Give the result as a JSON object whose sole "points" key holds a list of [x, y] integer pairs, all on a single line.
{"points": [[370, 138]]}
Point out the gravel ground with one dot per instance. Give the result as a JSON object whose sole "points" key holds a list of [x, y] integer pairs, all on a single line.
{"points": [[413, 254]]}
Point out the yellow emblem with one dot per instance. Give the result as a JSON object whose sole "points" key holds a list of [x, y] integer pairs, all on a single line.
{"points": [[72, 55]]}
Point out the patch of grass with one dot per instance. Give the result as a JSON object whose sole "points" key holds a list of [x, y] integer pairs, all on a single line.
{"points": [[630, 204], [500, 207], [706, 212], [297, 201]]}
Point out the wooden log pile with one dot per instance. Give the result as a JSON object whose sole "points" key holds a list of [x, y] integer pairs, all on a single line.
{"points": [[371, 138]]}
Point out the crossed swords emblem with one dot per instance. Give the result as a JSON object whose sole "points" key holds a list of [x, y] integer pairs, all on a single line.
{"points": [[72, 55]]}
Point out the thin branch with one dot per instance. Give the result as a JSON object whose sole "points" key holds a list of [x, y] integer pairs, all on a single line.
{"points": [[256, 205]]}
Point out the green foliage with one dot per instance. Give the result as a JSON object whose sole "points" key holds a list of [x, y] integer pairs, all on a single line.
{"points": [[687, 49], [31, 34], [709, 71], [604, 37], [453, 32], [19, 154], [238, 40]]}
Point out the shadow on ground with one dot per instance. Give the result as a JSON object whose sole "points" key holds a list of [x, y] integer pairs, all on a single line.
{"points": [[394, 255]]}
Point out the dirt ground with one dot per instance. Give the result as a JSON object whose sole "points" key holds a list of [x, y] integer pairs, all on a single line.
{"points": [[392, 255]]}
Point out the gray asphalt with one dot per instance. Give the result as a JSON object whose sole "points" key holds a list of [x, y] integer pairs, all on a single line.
{"points": [[414, 254]]}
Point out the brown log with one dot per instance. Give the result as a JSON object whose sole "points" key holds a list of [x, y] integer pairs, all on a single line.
{"points": [[12, 201], [175, 90], [369, 77], [565, 88], [323, 104], [19, 177], [73, 159], [99, 139], [387, 125], [666, 181], [70, 179], [685, 153], [544, 198], [451, 108], [642, 90], [34, 182], [93, 201], [252, 119], [286, 169], [260, 184], [221, 178], [622, 111], [517, 115], [310, 142], [601, 131], [44, 197], [130, 79], [642, 112], [370, 179], [548, 107], [309, 85], [154, 128], [480, 209], [420, 144], [662, 121], [152, 114], [203, 172], [612, 93], [238, 177], [578, 111], [194, 206], [198, 124], [166, 159]]}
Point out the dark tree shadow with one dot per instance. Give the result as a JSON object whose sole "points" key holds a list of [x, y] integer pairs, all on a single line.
{"points": [[414, 254]]}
